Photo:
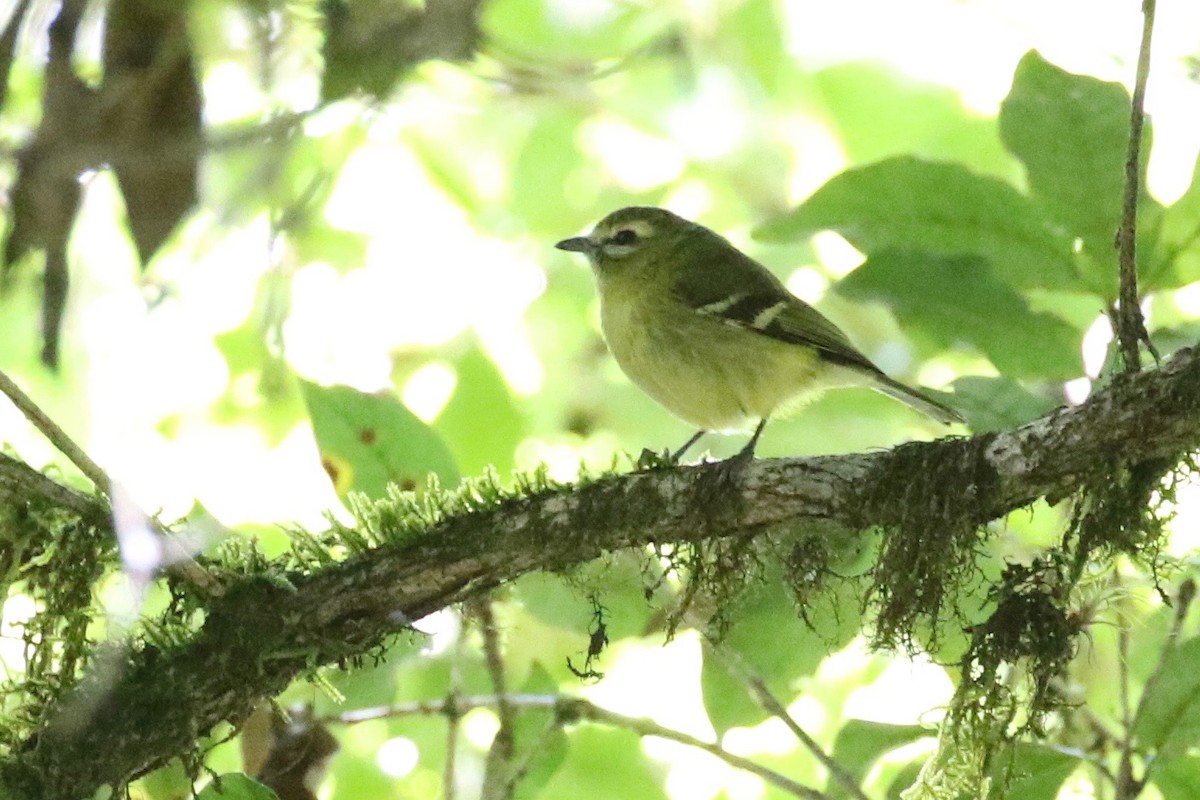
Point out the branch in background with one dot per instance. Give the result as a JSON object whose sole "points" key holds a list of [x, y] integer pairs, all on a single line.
{"points": [[499, 767], [57, 436], [260, 635], [771, 704], [573, 709], [1129, 324]]}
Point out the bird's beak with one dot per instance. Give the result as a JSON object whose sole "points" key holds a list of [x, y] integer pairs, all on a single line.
{"points": [[579, 244]]}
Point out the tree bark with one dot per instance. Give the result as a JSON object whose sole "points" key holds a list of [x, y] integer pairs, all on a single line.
{"points": [[138, 709]]}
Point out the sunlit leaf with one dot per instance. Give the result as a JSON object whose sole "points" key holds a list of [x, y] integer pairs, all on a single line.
{"points": [[1072, 134], [481, 424], [872, 106], [368, 441], [904, 203]]}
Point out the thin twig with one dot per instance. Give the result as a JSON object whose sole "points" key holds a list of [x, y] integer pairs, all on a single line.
{"points": [[570, 709], [1124, 777], [57, 436], [770, 703], [496, 785], [1130, 326]]}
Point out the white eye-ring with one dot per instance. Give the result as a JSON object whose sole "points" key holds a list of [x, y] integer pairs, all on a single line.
{"points": [[621, 243]]}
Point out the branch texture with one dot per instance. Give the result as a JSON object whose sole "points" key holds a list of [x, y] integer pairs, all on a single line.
{"points": [[142, 708]]}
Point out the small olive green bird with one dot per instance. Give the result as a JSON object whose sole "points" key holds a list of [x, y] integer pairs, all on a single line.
{"points": [[710, 333]]}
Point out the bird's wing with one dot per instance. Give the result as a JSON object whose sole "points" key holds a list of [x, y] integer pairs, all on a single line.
{"points": [[746, 295]]}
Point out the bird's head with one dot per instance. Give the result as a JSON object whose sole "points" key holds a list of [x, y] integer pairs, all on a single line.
{"points": [[637, 235]]}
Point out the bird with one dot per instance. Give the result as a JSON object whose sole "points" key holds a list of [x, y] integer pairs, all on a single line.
{"points": [[711, 334]]}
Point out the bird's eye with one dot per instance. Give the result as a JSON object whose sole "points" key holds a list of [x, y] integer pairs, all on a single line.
{"points": [[625, 236]]}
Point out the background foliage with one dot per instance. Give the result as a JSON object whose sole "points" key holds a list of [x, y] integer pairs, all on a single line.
{"points": [[347, 280]]}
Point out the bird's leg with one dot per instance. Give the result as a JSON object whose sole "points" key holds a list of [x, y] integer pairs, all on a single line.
{"points": [[650, 459], [678, 454], [726, 473]]}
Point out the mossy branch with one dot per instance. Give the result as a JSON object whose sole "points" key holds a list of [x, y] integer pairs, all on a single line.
{"points": [[141, 708]]}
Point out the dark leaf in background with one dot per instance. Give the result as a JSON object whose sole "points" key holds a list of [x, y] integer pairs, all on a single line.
{"points": [[8, 46], [369, 44], [46, 194], [154, 100], [957, 299]]}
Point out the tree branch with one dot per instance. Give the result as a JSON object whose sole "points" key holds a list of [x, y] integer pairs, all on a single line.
{"points": [[149, 706], [1130, 327]]}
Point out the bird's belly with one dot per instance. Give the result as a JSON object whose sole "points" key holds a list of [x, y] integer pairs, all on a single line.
{"points": [[716, 377]]}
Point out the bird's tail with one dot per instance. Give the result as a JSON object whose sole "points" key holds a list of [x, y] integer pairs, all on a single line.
{"points": [[916, 399]]}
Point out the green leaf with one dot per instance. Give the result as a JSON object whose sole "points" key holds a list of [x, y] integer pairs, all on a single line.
{"points": [[1072, 134], [997, 404], [860, 744], [605, 764], [539, 736], [754, 34], [955, 299], [481, 424], [548, 158], [367, 441], [872, 108], [1168, 716], [1032, 772], [235, 786], [762, 618], [1177, 778], [1177, 255], [905, 203]]}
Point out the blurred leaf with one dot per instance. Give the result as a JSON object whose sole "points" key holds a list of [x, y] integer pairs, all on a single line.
{"points": [[997, 404], [549, 156], [367, 441], [481, 424], [879, 113], [956, 299], [1177, 257], [1168, 718], [235, 786], [755, 33], [861, 743], [153, 115], [540, 31], [904, 203], [605, 764], [539, 736], [1177, 778], [1072, 133], [343, 250], [617, 582], [370, 44], [763, 618], [1168, 340], [1032, 772]]}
